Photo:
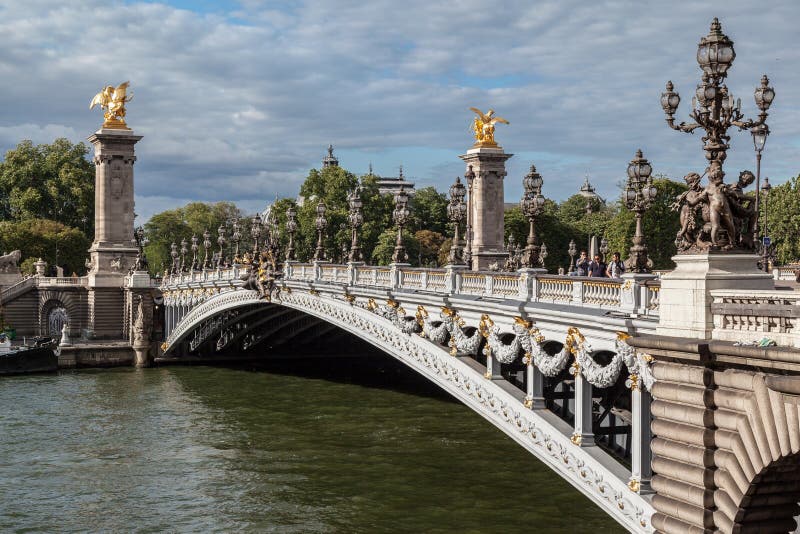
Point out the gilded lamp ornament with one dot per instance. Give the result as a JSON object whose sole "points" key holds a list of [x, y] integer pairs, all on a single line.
{"points": [[112, 100], [483, 128]]}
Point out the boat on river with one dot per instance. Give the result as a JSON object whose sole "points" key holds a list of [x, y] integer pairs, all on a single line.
{"points": [[39, 357]]}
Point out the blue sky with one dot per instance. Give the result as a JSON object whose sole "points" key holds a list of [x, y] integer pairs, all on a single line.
{"points": [[236, 100]]}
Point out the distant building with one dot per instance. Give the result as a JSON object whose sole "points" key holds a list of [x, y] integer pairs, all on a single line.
{"points": [[588, 192], [389, 185], [330, 160]]}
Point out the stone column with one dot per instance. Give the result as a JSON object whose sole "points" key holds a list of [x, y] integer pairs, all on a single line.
{"points": [[112, 252], [487, 205], [583, 435]]}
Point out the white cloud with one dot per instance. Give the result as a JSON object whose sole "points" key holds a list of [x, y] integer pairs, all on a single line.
{"points": [[240, 106]]}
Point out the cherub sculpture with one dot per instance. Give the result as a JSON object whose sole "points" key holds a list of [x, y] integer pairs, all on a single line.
{"points": [[483, 127], [113, 100], [718, 216]]}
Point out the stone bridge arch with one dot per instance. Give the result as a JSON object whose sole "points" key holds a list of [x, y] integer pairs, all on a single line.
{"points": [[459, 374], [726, 445]]}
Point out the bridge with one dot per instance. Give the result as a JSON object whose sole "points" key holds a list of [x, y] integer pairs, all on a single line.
{"points": [[664, 433], [504, 344]]}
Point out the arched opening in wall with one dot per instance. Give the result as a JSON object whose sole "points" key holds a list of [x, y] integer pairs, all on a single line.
{"points": [[771, 502], [559, 390], [611, 413], [54, 317]]}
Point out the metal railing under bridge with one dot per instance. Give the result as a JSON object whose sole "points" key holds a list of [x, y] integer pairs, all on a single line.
{"points": [[567, 389]]}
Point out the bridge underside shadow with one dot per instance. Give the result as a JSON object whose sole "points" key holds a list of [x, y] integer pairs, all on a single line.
{"points": [[265, 332]]}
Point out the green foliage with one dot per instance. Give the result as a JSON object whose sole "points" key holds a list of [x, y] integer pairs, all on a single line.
{"points": [[382, 254], [54, 182], [54, 242], [783, 226], [660, 225], [429, 209], [333, 185], [430, 244], [181, 223]]}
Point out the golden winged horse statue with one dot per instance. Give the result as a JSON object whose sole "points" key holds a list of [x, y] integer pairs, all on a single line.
{"points": [[483, 127], [113, 100]]}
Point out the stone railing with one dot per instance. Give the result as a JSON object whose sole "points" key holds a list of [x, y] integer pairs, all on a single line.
{"points": [[628, 295], [761, 313], [27, 284], [787, 273], [17, 289]]}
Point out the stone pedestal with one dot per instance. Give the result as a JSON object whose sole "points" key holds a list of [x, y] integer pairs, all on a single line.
{"points": [[487, 205], [685, 296], [112, 252]]}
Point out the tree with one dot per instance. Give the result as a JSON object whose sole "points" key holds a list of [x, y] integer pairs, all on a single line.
{"points": [[333, 185], [783, 208], [54, 242], [54, 182], [429, 209], [660, 225], [182, 223], [430, 244], [382, 254]]}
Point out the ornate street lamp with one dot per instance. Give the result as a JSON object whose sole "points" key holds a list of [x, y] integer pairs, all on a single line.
{"points": [[572, 250], [237, 237], [255, 231], [456, 212], [195, 247], [760, 134], [469, 176], [221, 242], [532, 204], [321, 223], [401, 216], [766, 188], [715, 110], [639, 195], [175, 262], [206, 248], [356, 219], [291, 228], [184, 251]]}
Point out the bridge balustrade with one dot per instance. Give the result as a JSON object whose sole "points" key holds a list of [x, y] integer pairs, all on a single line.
{"points": [[757, 313], [627, 295]]}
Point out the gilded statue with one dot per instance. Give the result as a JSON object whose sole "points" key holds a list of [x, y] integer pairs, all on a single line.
{"points": [[113, 100], [718, 216], [483, 127]]}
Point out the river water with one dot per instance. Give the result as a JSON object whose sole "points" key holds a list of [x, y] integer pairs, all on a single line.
{"points": [[314, 446]]}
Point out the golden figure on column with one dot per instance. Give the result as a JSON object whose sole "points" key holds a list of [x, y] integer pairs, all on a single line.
{"points": [[483, 127], [113, 100]]}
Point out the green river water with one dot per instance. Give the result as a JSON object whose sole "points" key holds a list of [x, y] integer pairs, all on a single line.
{"points": [[313, 446]]}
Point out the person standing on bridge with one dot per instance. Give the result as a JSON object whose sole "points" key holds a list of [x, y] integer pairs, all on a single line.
{"points": [[597, 268], [616, 267], [582, 265]]}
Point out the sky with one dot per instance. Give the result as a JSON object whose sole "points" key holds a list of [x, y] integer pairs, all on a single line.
{"points": [[237, 100]]}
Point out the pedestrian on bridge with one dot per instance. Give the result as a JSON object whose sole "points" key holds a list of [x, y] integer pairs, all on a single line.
{"points": [[582, 265], [616, 267], [597, 268]]}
